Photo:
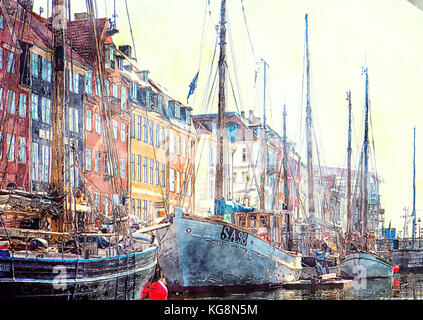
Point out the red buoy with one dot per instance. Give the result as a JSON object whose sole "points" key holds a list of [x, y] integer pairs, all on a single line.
{"points": [[145, 290], [396, 269], [158, 291]]}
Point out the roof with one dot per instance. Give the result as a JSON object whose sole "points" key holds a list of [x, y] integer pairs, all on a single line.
{"points": [[82, 37]]}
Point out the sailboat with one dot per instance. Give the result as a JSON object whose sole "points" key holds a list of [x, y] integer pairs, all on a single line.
{"points": [[315, 261], [199, 254], [359, 257], [67, 261], [409, 253]]}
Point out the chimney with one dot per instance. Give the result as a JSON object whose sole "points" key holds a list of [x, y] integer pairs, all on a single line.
{"points": [[81, 16], [126, 50], [251, 116]]}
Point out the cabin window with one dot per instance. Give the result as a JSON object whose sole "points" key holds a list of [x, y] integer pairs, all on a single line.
{"points": [[97, 162], [145, 170], [88, 159], [34, 158], [139, 168], [122, 132], [122, 169], [114, 129], [89, 83], [172, 180], [34, 106], [22, 105], [89, 120], [22, 150], [151, 171], [97, 124], [11, 101], [34, 65]]}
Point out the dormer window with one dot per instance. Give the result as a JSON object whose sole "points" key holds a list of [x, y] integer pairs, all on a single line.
{"points": [[188, 116], [177, 111], [134, 90]]}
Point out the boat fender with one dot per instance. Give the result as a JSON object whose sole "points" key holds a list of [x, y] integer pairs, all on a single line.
{"points": [[395, 268], [38, 243], [158, 291]]}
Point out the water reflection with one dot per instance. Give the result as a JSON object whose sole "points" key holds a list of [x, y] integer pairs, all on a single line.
{"points": [[406, 286]]}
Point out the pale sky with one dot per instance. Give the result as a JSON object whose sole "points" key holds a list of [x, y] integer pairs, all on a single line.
{"points": [[344, 35]]}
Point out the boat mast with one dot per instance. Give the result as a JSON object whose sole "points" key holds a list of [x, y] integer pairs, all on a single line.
{"points": [[263, 142], [308, 133], [285, 185], [414, 190], [58, 144], [221, 111], [366, 154], [349, 151]]}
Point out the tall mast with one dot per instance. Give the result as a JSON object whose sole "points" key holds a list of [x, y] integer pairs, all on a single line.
{"points": [[366, 154], [414, 189], [308, 133], [349, 151], [263, 142], [58, 144], [221, 110], [285, 185]]}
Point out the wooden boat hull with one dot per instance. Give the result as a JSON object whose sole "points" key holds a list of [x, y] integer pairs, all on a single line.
{"points": [[114, 278], [408, 259], [205, 256], [365, 265]]}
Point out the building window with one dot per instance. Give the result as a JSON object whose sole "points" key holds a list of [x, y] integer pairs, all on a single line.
{"points": [[97, 162], [97, 200], [145, 170], [132, 166], [178, 145], [139, 208], [151, 125], [88, 161], [184, 148], [163, 138], [171, 142], [46, 70], [134, 91], [22, 105], [183, 183], [122, 169], [157, 135], [89, 120], [107, 86], [163, 175], [122, 132], [106, 205], [172, 180], [97, 123], [114, 129], [1, 22], [76, 82], [123, 95], [22, 150], [10, 62], [1, 97], [151, 171], [144, 210], [11, 106], [132, 126], [178, 182], [73, 120], [177, 111], [115, 90], [157, 174], [139, 123], [189, 185], [10, 151], [139, 168], [45, 157], [145, 130], [45, 110], [34, 156], [132, 206], [34, 106], [89, 83], [34, 65], [98, 86]]}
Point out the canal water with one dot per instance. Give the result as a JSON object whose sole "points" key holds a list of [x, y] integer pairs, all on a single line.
{"points": [[404, 286]]}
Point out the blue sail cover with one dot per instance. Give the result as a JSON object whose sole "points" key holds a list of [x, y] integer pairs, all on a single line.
{"points": [[221, 207]]}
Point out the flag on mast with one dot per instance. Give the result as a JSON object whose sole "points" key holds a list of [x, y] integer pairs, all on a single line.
{"points": [[192, 86]]}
